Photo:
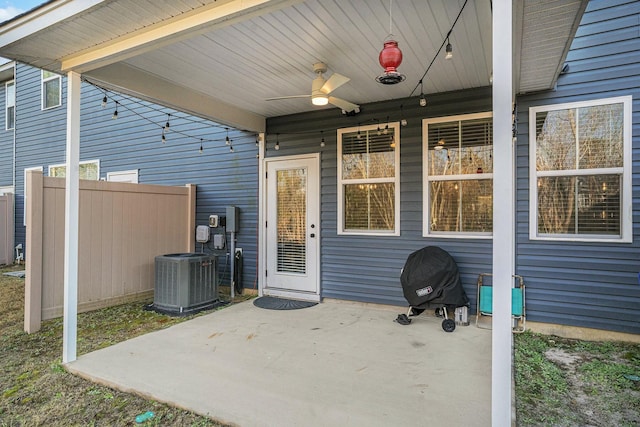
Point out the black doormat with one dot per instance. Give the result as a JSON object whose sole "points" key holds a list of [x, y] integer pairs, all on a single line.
{"points": [[273, 303]]}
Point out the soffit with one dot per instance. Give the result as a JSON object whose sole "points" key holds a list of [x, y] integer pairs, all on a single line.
{"points": [[269, 50]]}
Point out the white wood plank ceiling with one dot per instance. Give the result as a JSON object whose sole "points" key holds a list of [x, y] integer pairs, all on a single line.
{"points": [[268, 51]]}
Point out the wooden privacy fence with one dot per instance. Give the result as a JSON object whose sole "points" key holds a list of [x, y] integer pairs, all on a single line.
{"points": [[122, 227], [6, 229]]}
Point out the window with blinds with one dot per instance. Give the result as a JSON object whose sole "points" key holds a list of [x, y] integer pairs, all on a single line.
{"points": [[578, 159], [369, 179], [458, 175], [10, 104], [51, 90], [89, 169], [292, 220]]}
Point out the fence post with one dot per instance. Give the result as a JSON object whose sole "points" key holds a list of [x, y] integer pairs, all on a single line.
{"points": [[33, 252], [7, 233], [191, 218]]}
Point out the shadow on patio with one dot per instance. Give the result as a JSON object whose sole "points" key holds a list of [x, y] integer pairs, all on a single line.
{"points": [[332, 364]]}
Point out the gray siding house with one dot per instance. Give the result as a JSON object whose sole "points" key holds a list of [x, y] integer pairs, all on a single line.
{"points": [[578, 248], [570, 280], [131, 148]]}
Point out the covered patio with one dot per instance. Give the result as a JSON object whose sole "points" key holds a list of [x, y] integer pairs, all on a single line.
{"points": [[221, 60], [332, 364]]}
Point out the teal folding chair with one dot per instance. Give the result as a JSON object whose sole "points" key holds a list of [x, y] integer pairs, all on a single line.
{"points": [[485, 302]]}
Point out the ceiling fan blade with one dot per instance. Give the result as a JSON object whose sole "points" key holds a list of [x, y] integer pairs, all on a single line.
{"points": [[335, 81], [288, 97], [345, 105]]}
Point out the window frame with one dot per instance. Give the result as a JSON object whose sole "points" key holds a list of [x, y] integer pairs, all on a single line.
{"points": [[626, 214], [134, 173], [395, 126], [427, 179], [43, 92], [84, 162], [8, 105]]}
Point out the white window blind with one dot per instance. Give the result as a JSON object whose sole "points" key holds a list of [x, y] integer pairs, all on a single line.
{"points": [[578, 172], [369, 179], [292, 218], [458, 172]]}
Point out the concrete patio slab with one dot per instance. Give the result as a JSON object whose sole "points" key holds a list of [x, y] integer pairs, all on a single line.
{"points": [[334, 364]]}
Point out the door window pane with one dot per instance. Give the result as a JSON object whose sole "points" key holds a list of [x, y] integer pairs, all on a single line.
{"points": [[292, 217]]}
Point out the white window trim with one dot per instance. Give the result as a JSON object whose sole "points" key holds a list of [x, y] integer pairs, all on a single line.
{"points": [[84, 162], [134, 172], [626, 211], [24, 190], [395, 180], [6, 104], [42, 91], [426, 206], [6, 190]]}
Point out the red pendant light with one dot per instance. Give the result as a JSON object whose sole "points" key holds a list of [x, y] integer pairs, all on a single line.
{"points": [[390, 58]]}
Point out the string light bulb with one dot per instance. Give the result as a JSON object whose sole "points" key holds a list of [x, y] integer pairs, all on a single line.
{"points": [[231, 148], [104, 101], [227, 141], [322, 144], [448, 50], [423, 100], [201, 147], [164, 138], [166, 126], [386, 127], [403, 121], [277, 146], [115, 113]]}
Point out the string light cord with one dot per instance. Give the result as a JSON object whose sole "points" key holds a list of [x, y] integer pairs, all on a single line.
{"points": [[439, 49], [118, 98]]}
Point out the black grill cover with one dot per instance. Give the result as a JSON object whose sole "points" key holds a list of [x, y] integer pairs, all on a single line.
{"points": [[430, 279]]}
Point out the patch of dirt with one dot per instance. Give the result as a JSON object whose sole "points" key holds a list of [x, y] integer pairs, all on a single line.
{"points": [[570, 383], [579, 399], [35, 390]]}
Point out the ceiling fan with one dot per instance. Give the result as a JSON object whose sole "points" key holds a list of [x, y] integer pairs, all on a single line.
{"points": [[321, 89]]}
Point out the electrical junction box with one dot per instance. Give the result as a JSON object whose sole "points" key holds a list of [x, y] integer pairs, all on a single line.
{"points": [[233, 219], [218, 241], [213, 221], [202, 234]]}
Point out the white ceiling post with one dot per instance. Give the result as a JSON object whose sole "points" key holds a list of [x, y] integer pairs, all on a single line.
{"points": [[262, 144], [72, 196], [503, 214]]}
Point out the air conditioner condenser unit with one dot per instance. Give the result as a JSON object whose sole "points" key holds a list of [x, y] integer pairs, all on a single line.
{"points": [[185, 283]]}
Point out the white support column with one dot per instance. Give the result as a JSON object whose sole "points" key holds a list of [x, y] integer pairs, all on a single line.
{"points": [[72, 191], [262, 260], [503, 214]]}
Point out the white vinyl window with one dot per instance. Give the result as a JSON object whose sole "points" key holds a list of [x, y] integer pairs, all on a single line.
{"points": [[123, 176], [10, 105], [458, 176], [369, 180], [89, 169], [51, 90], [580, 171]]}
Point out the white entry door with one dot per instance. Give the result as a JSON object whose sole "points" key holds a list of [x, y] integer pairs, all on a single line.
{"points": [[293, 228]]}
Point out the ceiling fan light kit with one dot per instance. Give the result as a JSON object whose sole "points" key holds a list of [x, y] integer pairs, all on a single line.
{"points": [[321, 90], [317, 96]]}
